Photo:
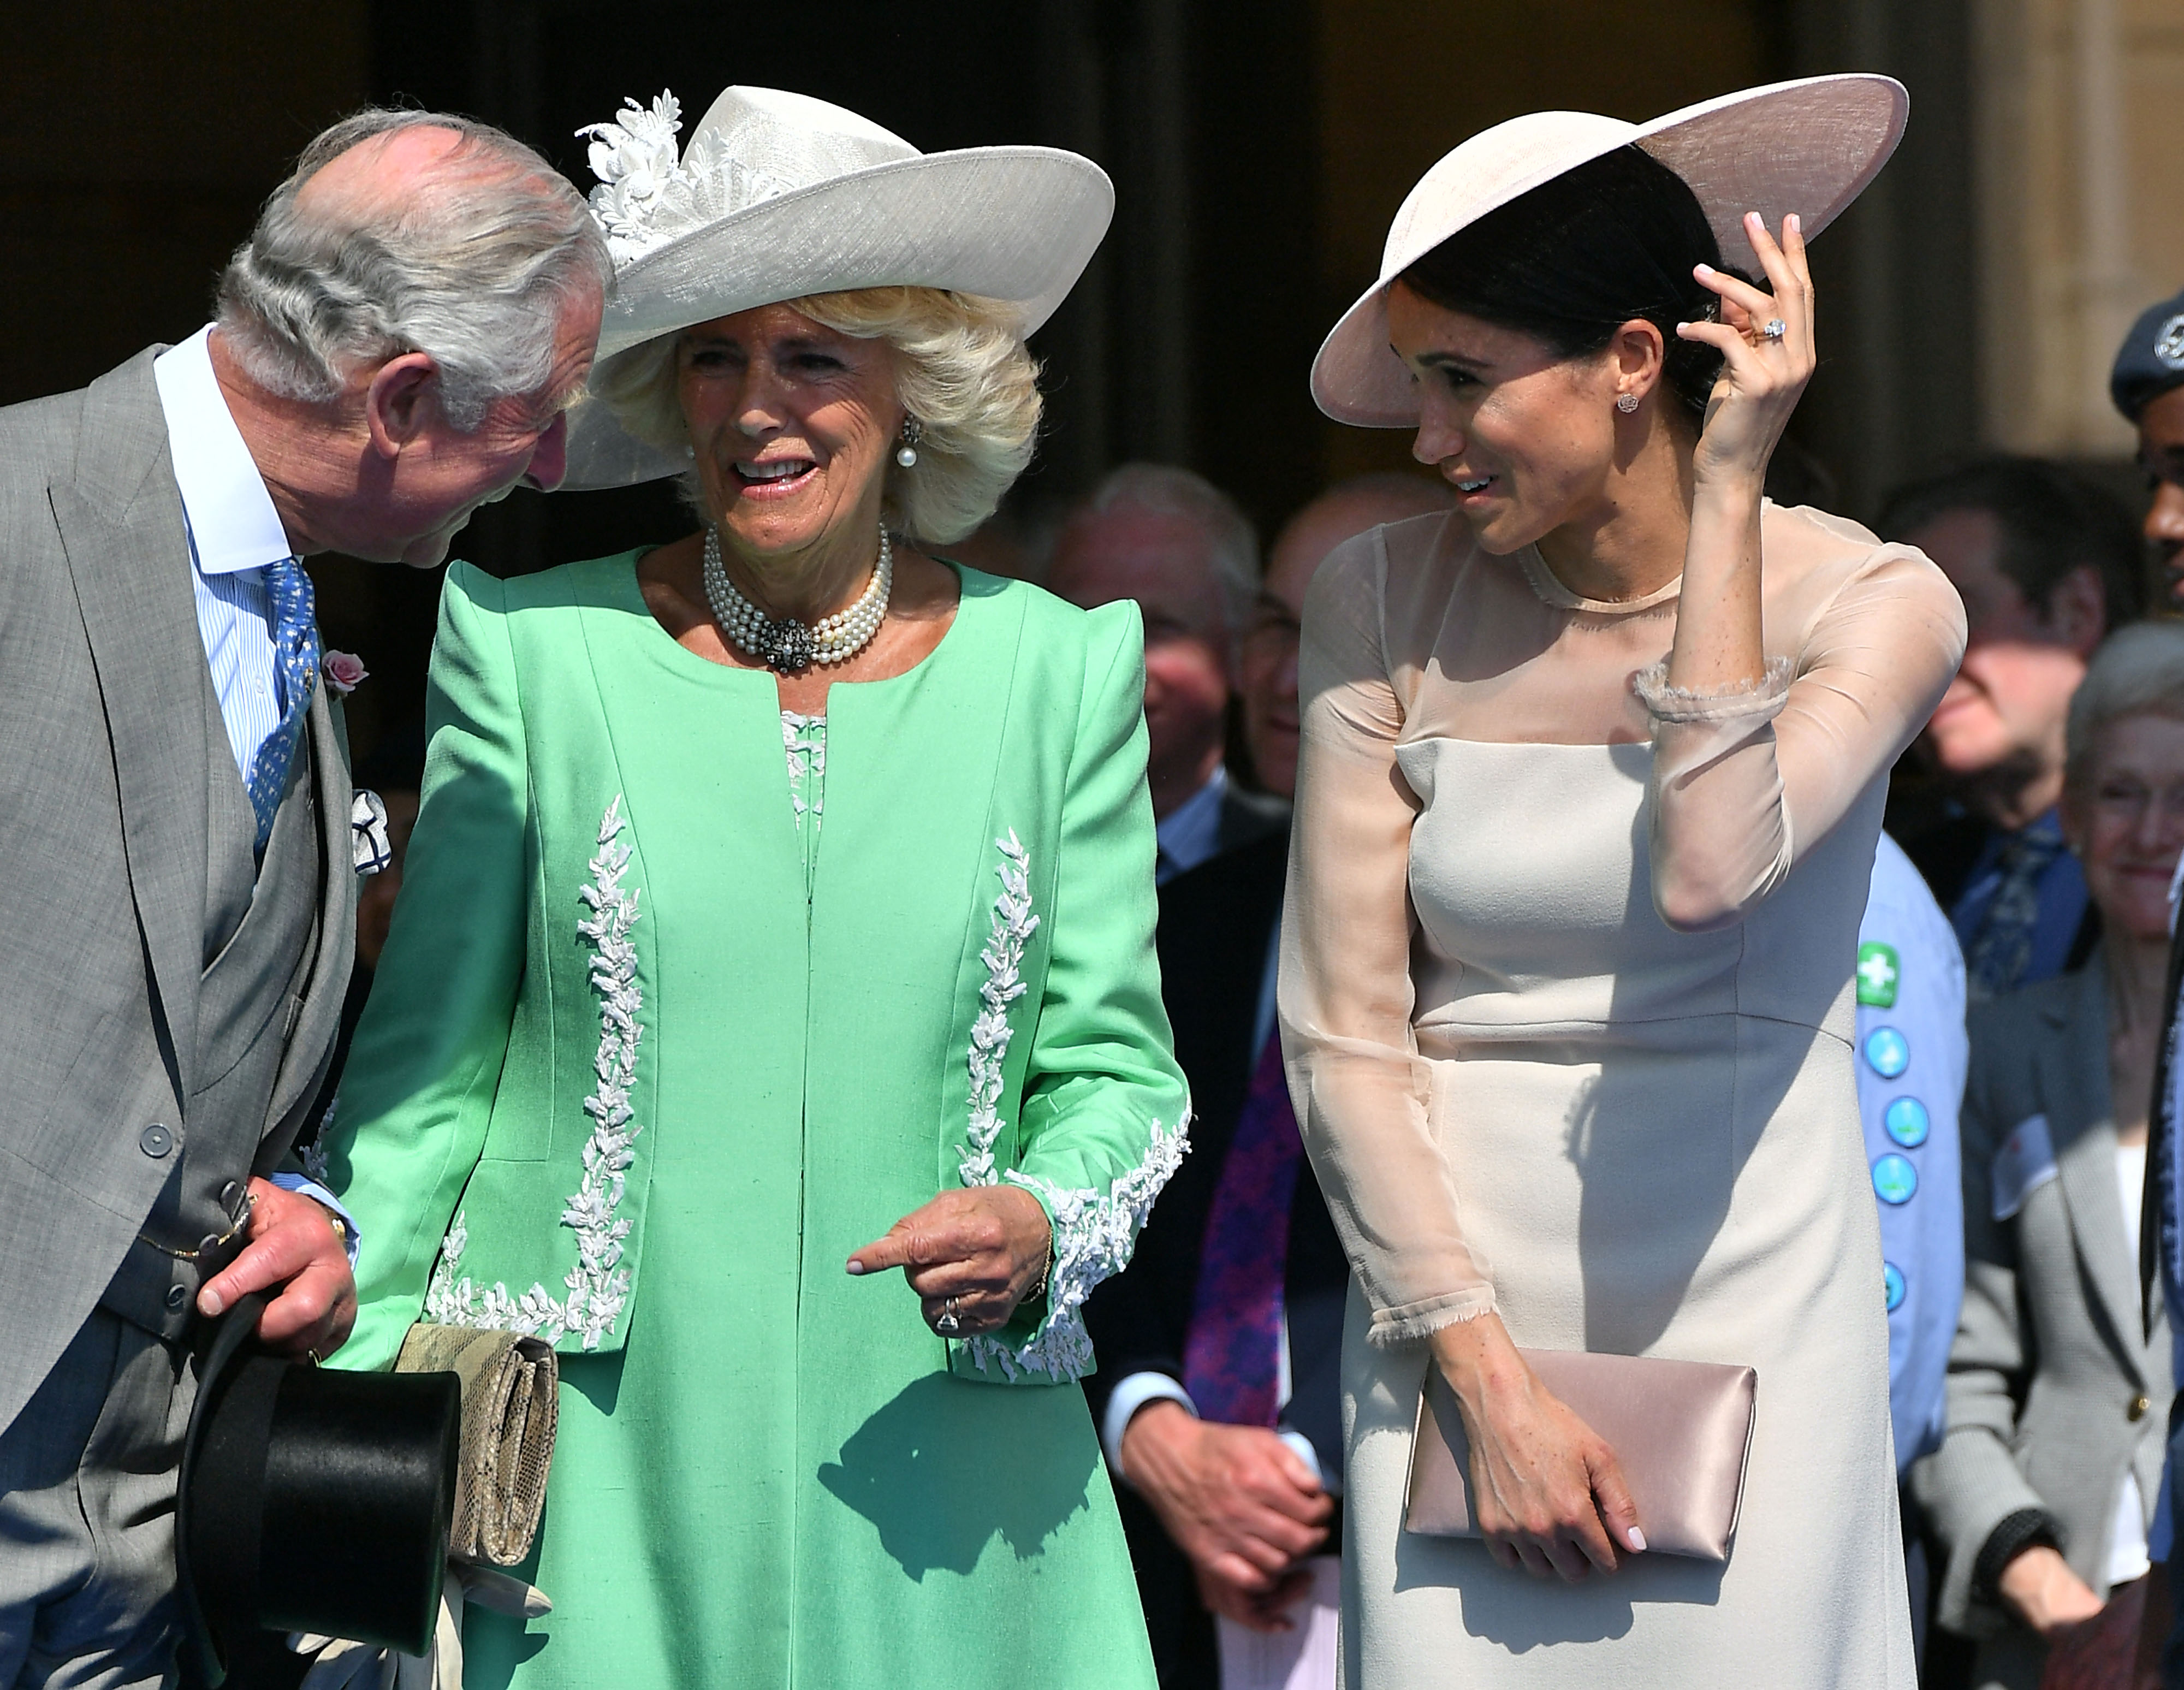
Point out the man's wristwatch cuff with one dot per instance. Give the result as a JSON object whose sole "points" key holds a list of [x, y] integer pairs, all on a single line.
{"points": [[337, 1212], [1132, 1393]]}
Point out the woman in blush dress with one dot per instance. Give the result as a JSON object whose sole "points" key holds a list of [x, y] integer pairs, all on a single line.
{"points": [[1591, 775]]}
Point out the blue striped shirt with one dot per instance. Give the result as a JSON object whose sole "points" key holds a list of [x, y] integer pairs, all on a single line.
{"points": [[234, 532]]}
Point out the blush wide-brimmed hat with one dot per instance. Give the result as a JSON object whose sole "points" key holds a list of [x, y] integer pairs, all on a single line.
{"points": [[1809, 147], [779, 196]]}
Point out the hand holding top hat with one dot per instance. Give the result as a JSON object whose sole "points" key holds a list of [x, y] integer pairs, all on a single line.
{"points": [[310, 1499], [296, 1257], [1768, 356]]}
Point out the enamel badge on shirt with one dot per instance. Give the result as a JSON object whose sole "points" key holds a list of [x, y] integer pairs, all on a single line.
{"points": [[2024, 1162], [1878, 969]]}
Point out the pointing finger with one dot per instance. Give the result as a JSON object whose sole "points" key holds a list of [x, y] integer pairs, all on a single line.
{"points": [[898, 1249]]}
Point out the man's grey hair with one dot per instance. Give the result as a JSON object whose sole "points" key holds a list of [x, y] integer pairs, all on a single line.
{"points": [[2138, 671], [1232, 543], [474, 269]]}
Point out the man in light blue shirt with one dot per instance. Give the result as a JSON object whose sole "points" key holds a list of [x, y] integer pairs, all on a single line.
{"points": [[1912, 1053]]}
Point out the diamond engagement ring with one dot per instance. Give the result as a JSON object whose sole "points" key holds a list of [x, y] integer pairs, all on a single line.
{"points": [[947, 1324], [1775, 329]]}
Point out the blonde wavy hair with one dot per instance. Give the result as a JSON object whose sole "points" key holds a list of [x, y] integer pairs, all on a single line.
{"points": [[963, 372]]}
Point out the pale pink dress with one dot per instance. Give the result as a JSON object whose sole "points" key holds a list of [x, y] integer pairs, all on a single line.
{"points": [[1566, 993]]}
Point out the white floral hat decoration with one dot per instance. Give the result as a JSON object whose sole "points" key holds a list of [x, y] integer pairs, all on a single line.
{"points": [[778, 195], [1810, 146]]}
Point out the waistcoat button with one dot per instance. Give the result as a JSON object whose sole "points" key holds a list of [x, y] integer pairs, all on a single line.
{"points": [[177, 1295], [231, 1194], [2139, 1405], [155, 1140], [207, 1245]]}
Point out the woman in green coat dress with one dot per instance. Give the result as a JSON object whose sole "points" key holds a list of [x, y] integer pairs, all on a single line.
{"points": [[779, 914]]}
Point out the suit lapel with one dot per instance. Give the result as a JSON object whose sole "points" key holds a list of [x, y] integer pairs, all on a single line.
{"points": [[311, 1039], [120, 527], [2074, 1082]]}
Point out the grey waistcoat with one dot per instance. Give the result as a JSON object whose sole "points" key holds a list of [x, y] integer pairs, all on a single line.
{"points": [[261, 933]]}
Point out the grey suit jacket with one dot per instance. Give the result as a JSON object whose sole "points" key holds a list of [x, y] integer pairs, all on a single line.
{"points": [[104, 756], [2053, 1391]]}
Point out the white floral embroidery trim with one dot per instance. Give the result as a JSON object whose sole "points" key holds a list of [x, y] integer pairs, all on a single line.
{"points": [[1014, 924], [1093, 1235], [598, 1284]]}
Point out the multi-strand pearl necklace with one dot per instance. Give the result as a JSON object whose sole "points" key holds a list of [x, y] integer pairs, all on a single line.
{"points": [[784, 644]]}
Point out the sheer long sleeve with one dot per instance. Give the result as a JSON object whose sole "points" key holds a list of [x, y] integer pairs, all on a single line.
{"points": [[1745, 778], [1361, 1091]]}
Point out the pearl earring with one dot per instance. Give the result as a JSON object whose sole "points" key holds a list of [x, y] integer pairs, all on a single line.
{"points": [[1626, 402], [913, 430]]}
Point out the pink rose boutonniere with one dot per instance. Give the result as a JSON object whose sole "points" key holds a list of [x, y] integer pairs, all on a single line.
{"points": [[345, 671]]}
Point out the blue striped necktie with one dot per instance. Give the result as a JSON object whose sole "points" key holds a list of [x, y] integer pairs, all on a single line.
{"points": [[296, 661]]}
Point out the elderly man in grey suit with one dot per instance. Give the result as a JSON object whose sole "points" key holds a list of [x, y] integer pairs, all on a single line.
{"points": [[395, 346]]}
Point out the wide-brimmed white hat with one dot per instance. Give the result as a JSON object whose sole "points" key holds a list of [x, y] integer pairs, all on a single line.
{"points": [[778, 196], [1809, 147]]}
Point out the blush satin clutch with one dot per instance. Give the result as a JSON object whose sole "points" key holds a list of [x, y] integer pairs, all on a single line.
{"points": [[1681, 1429]]}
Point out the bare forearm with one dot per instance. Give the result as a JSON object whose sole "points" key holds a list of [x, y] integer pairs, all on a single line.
{"points": [[1717, 642]]}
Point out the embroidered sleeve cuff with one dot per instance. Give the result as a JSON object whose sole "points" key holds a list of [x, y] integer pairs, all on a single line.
{"points": [[1134, 1393], [1093, 1238], [1760, 699], [351, 1237], [1410, 1321]]}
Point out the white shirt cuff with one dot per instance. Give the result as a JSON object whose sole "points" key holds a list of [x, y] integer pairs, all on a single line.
{"points": [[318, 1194], [1129, 1397]]}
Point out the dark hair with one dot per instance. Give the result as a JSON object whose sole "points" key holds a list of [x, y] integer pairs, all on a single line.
{"points": [[2052, 522], [1577, 258]]}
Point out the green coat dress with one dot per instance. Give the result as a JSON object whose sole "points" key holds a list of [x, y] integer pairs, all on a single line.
{"points": [[651, 1050]]}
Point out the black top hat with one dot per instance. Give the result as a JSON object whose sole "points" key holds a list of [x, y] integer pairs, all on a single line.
{"points": [[310, 1500]]}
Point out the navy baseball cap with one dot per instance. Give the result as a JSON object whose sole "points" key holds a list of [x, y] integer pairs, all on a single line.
{"points": [[2152, 359]]}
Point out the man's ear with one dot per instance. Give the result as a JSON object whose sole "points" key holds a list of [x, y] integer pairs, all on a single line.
{"points": [[402, 399], [2077, 610]]}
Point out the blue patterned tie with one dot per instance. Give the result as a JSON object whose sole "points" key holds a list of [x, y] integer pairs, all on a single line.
{"points": [[2001, 952], [296, 661]]}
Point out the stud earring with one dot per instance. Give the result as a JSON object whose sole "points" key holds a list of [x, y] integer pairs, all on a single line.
{"points": [[913, 430], [1626, 402]]}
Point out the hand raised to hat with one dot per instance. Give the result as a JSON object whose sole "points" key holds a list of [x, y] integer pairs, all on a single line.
{"points": [[972, 1255], [297, 1256], [1766, 343]]}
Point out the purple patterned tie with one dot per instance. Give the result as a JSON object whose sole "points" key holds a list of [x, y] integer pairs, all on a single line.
{"points": [[1232, 1353]]}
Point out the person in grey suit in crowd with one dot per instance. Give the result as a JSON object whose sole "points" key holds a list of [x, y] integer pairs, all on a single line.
{"points": [[394, 346], [2046, 1484]]}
